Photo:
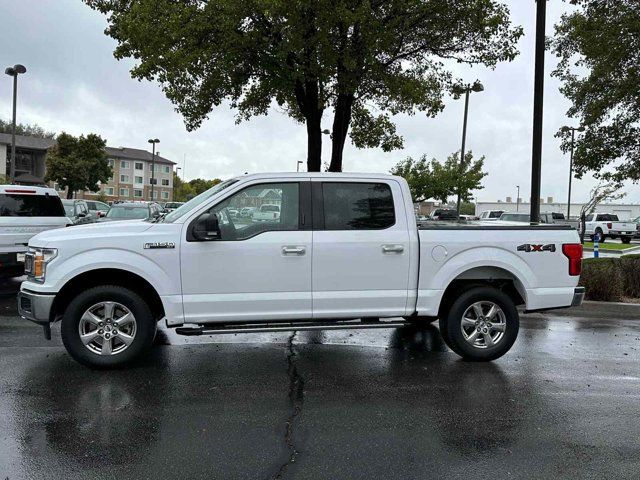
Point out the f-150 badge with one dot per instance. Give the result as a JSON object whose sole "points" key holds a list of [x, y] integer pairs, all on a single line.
{"points": [[536, 248], [160, 245]]}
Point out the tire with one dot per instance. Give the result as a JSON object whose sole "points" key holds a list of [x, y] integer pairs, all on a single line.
{"points": [[626, 239], [470, 343], [603, 237], [138, 327]]}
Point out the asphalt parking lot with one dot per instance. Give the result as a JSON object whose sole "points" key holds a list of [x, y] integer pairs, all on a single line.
{"points": [[365, 404]]}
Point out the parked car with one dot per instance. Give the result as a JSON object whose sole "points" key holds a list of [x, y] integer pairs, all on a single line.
{"points": [[247, 212], [171, 206], [355, 252], [266, 213], [77, 211], [97, 209], [24, 212], [233, 213], [491, 215], [607, 225], [131, 211], [637, 222], [444, 214]]}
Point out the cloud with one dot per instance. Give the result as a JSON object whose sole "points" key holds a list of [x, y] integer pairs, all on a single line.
{"points": [[74, 84]]}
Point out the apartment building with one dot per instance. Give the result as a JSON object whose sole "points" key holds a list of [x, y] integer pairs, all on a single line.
{"points": [[132, 175]]}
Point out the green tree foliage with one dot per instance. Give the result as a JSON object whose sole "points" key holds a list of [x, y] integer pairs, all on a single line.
{"points": [[183, 191], [199, 185], [430, 179], [25, 129], [599, 50], [78, 163], [367, 60], [467, 208]]}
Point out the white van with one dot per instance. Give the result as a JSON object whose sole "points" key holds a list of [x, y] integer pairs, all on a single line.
{"points": [[24, 212]]}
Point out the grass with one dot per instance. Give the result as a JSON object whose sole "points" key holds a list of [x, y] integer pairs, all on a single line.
{"points": [[611, 246]]}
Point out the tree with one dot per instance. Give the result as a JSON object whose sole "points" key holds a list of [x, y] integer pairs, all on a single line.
{"points": [[182, 191], [432, 179], [200, 185], [365, 59], [603, 191], [26, 129], [599, 50], [78, 163]]}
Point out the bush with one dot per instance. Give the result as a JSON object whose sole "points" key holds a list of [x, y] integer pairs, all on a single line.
{"points": [[611, 279], [602, 279]]}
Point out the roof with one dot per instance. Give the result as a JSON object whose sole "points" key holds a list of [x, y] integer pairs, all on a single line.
{"points": [[28, 189], [23, 141], [326, 175], [135, 154], [36, 143]]}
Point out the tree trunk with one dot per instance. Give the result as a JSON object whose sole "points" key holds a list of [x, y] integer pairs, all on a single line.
{"points": [[583, 226], [70, 193], [341, 121], [314, 142]]}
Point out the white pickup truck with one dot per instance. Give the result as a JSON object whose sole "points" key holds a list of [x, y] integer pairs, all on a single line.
{"points": [[608, 225], [345, 252]]}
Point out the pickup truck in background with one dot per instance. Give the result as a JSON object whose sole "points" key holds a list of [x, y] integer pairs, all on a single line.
{"points": [[343, 252], [266, 213], [24, 212], [607, 225]]}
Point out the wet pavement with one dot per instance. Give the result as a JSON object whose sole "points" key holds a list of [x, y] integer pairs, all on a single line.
{"points": [[563, 403]]}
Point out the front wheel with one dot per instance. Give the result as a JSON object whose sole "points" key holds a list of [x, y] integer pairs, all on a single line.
{"points": [[107, 326], [481, 325], [626, 239]]}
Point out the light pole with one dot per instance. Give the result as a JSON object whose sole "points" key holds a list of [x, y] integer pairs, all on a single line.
{"points": [[458, 91], [518, 199], [298, 165], [573, 131], [177, 174], [538, 108], [14, 72], [153, 141]]}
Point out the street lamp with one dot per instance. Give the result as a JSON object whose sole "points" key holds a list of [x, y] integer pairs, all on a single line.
{"points": [[177, 174], [153, 163], [298, 165], [518, 199], [14, 72], [573, 131], [458, 91]]}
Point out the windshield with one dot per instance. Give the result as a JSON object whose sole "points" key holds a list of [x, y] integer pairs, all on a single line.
{"points": [[515, 217], [128, 212], [197, 200]]}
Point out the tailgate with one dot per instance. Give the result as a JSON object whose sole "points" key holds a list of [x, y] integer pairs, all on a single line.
{"points": [[15, 232], [624, 227]]}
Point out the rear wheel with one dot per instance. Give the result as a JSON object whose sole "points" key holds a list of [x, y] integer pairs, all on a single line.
{"points": [[107, 326], [481, 325]]}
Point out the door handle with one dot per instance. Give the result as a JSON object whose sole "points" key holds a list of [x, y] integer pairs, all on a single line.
{"points": [[392, 248], [293, 250]]}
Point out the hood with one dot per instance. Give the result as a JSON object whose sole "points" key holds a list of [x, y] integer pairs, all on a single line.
{"points": [[88, 231]]}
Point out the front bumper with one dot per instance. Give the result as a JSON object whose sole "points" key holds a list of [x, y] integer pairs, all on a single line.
{"points": [[35, 306], [578, 296]]}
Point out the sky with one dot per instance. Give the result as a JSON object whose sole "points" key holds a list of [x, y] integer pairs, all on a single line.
{"points": [[74, 84]]}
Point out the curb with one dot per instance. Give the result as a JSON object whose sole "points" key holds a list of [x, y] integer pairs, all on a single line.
{"points": [[592, 309]]}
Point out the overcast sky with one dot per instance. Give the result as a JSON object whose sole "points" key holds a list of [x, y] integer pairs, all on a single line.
{"points": [[74, 84]]}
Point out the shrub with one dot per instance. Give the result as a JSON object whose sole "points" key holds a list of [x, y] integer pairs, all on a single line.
{"points": [[602, 279], [630, 274]]}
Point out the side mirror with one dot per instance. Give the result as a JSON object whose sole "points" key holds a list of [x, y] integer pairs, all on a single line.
{"points": [[155, 214], [206, 228]]}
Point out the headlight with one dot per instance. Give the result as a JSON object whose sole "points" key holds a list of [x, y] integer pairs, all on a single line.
{"points": [[36, 260]]}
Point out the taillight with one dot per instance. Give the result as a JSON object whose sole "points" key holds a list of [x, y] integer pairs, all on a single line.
{"points": [[573, 251], [609, 225]]}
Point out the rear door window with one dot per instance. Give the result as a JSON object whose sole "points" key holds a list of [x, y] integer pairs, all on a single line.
{"points": [[28, 205], [357, 206]]}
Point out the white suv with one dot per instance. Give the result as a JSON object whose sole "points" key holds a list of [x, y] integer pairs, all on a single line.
{"points": [[24, 212]]}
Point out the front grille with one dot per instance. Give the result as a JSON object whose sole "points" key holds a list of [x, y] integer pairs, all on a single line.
{"points": [[28, 264], [25, 304]]}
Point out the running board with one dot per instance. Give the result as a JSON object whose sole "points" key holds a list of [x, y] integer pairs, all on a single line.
{"points": [[219, 328]]}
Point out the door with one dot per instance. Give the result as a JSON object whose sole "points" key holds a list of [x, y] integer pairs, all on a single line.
{"points": [[255, 270], [361, 252]]}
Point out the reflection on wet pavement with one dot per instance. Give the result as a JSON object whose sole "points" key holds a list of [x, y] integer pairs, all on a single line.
{"points": [[327, 404]]}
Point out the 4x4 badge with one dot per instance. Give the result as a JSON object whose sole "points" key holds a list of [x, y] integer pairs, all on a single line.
{"points": [[536, 248]]}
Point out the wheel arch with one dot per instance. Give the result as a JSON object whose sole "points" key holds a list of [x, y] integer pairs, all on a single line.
{"points": [[107, 276]]}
